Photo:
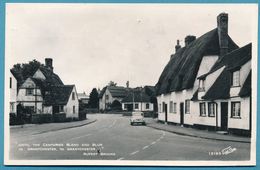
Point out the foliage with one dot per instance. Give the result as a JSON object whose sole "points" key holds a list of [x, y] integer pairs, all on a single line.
{"points": [[111, 83], [93, 98], [25, 70]]}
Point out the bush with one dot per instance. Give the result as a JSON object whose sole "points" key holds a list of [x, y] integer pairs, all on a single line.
{"points": [[41, 118], [59, 117], [14, 120]]}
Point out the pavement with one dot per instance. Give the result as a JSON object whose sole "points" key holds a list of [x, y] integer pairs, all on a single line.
{"points": [[47, 127], [112, 137], [188, 131]]}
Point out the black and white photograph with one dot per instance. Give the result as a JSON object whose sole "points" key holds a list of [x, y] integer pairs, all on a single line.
{"points": [[130, 84]]}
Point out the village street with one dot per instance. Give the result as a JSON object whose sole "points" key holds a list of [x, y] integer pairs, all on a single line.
{"points": [[112, 137]]}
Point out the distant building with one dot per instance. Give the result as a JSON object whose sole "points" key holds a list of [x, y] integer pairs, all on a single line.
{"points": [[111, 96], [13, 93], [139, 99], [83, 98], [207, 82], [44, 92]]}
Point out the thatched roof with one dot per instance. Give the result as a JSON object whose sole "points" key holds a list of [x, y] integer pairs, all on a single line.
{"points": [[232, 61], [246, 88], [181, 71], [58, 95], [137, 95], [116, 91]]}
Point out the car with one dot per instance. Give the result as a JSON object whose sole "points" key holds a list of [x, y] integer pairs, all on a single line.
{"points": [[137, 118]]}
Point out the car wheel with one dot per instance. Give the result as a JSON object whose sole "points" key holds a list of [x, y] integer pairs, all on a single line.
{"points": [[131, 123]]}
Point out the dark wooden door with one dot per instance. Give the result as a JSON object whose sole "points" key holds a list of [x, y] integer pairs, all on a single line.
{"points": [[224, 115], [166, 112], [181, 113]]}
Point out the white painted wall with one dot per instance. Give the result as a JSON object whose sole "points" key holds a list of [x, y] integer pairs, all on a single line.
{"points": [[39, 75], [30, 100], [68, 109], [13, 93], [141, 106], [243, 121], [103, 100], [206, 64], [244, 71]]}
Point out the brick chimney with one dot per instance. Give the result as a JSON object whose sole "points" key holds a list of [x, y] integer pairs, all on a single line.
{"points": [[177, 47], [189, 39], [48, 63], [222, 20]]}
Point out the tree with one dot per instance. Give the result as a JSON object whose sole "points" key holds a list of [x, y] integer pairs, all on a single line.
{"points": [[111, 83], [93, 99], [25, 70]]}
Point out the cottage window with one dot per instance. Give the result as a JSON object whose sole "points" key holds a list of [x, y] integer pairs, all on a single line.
{"points": [[10, 82], [136, 106], [160, 107], [147, 106], [61, 108], [187, 106], [12, 107], [29, 92], [174, 107], [201, 85], [211, 109], [107, 97], [163, 106], [171, 106], [125, 106], [202, 109], [74, 109], [235, 78], [73, 96], [235, 109]]}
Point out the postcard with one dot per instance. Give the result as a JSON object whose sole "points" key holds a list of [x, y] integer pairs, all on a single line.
{"points": [[130, 84]]}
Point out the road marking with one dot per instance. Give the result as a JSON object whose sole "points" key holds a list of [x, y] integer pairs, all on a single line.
{"points": [[135, 152], [112, 124], [79, 137], [145, 147], [153, 143], [121, 158]]}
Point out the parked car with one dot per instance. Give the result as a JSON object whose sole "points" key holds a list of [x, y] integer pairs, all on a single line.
{"points": [[137, 118]]}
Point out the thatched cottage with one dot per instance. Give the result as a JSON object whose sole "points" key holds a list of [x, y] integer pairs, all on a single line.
{"points": [[180, 80]]}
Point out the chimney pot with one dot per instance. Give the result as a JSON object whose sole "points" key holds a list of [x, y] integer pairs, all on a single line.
{"points": [[177, 47], [222, 21], [48, 63], [189, 39]]}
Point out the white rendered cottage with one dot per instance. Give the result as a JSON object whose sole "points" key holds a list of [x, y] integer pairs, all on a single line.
{"points": [[178, 81], [13, 93], [44, 92]]}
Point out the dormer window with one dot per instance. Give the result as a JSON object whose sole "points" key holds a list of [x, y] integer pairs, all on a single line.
{"points": [[236, 78], [201, 85]]}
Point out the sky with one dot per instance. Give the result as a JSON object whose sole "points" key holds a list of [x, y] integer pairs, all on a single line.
{"points": [[92, 44]]}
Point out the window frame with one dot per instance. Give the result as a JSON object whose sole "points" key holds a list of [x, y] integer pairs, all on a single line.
{"points": [[204, 109], [171, 107], [136, 104], [201, 85], [187, 109], [74, 109], [237, 80], [214, 109], [11, 85], [232, 114], [73, 95], [147, 104], [175, 107], [27, 90]]}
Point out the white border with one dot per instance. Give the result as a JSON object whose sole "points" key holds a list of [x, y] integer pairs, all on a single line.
{"points": [[251, 162]]}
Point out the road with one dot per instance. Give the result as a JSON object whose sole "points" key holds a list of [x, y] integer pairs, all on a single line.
{"points": [[112, 137]]}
